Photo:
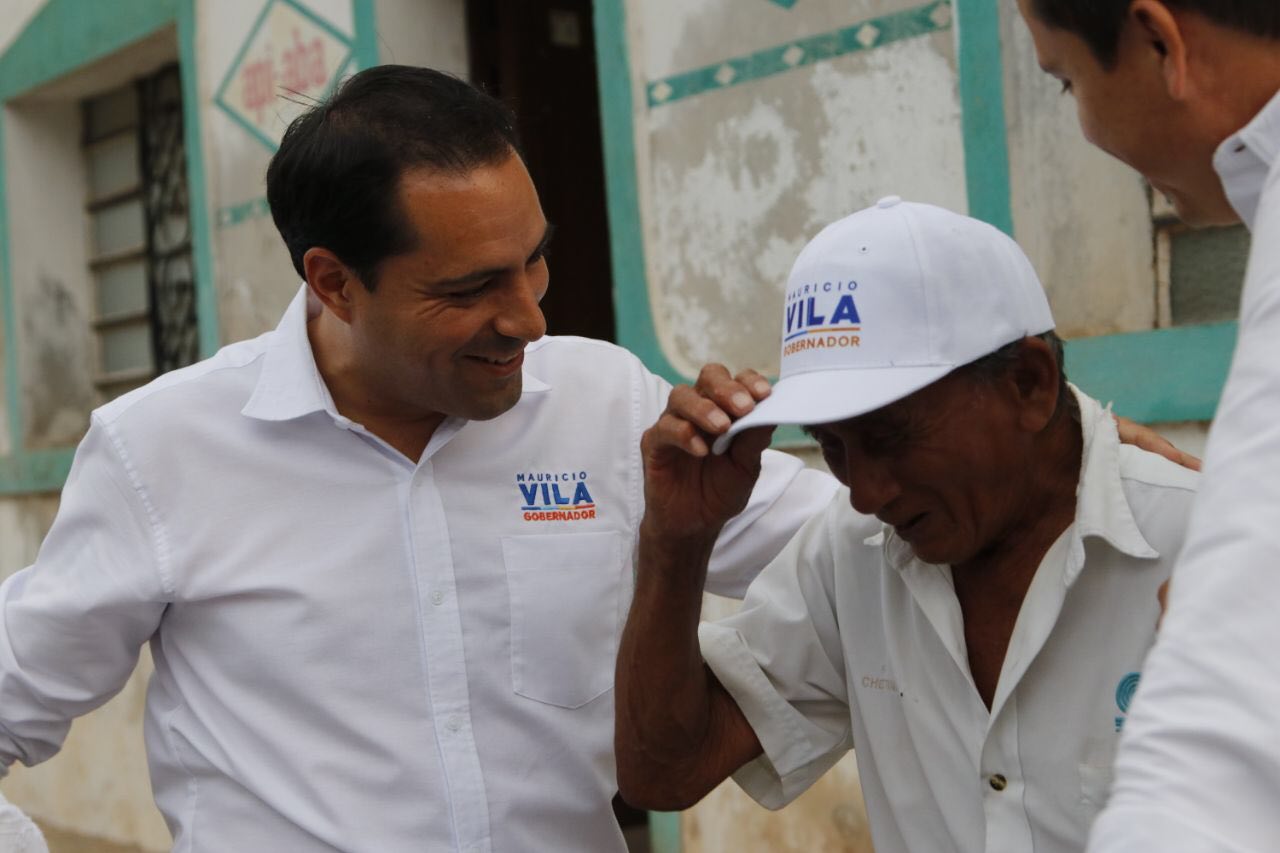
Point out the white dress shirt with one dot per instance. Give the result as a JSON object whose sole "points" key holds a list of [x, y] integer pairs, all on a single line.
{"points": [[847, 638], [1199, 767], [17, 833], [355, 651]]}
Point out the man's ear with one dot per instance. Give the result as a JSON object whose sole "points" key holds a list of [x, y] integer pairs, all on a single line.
{"points": [[1158, 30], [331, 281], [1037, 383]]}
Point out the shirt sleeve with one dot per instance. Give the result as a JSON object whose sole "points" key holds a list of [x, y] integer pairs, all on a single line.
{"points": [[72, 624], [1201, 747], [18, 834], [781, 659]]}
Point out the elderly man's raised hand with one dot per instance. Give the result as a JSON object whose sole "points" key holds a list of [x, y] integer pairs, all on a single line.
{"points": [[689, 491]]}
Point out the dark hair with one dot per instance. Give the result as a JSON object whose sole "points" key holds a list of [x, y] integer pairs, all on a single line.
{"points": [[1099, 22], [334, 181], [996, 365]]}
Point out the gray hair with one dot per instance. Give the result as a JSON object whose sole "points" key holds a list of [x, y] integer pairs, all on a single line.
{"points": [[996, 365]]}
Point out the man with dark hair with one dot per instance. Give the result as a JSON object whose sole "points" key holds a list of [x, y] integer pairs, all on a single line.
{"points": [[962, 615], [381, 553], [1188, 93]]}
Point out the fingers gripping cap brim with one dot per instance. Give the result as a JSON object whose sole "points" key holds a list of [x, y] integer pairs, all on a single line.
{"points": [[825, 396]]}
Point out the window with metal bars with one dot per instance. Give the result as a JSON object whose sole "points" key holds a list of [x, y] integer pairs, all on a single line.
{"points": [[140, 232], [1199, 271]]}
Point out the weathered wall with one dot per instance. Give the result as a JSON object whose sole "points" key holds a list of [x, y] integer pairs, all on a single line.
{"points": [[1082, 217], [736, 179], [48, 233]]}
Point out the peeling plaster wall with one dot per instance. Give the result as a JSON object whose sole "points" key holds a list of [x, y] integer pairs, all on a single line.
{"points": [[51, 288], [254, 277], [735, 181], [1082, 216]]}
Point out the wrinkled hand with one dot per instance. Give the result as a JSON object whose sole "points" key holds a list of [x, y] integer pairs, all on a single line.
{"points": [[1151, 441], [689, 491]]}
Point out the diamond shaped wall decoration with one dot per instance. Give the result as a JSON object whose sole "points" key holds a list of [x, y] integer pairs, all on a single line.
{"points": [[291, 58]]}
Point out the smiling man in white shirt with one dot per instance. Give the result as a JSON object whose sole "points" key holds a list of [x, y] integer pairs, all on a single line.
{"points": [[971, 612], [382, 553], [1188, 93]]}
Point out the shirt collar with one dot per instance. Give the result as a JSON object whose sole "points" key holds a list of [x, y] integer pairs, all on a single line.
{"points": [[1102, 508], [290, 385], [1245, 158]]}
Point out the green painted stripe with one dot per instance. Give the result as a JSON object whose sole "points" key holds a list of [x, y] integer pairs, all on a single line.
{"points": [[863, 36], [986, 147], [197, 192], [12, 391], [35, 472], [69, 34], [366, 40], [1160, 376], [631, 306], [254, 208], [664, 832]]}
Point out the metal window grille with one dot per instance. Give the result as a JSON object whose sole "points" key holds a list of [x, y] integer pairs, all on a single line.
{"points": [[1199, 272], [141, 254]]}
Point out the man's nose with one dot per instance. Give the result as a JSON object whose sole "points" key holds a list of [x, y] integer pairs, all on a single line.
{"points": [[521, 316], [871, 487]]}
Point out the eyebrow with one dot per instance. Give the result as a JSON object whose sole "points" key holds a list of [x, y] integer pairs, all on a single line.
{"points": [[481, 275]]}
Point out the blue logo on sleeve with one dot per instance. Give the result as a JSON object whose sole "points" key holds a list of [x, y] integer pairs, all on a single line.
{"points": [[1124, 696]]}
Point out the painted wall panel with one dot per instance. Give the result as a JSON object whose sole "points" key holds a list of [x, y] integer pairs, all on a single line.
{"points": [[1082, 217], [432, 33], [764, 125], [52, 293]]}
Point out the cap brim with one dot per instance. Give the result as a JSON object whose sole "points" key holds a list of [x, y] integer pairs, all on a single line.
{"points": [[825, 396]]}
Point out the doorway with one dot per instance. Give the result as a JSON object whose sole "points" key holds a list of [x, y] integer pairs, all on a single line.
{"points": [[538, 56]]}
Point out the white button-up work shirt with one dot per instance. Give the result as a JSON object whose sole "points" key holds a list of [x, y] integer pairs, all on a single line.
{"points": [[357, 651], [848, 640], [1199, 767]]}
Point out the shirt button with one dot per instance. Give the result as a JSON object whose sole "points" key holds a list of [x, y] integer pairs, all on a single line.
{"points": [[453, 724], [437, 597], [998, 782]]}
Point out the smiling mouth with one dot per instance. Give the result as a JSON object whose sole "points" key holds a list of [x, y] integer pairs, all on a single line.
{"points": [[498, 362], [502, 366]]}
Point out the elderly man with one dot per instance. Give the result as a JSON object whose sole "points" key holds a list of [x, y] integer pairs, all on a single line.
{"points": [[970, 613], [1188, 93], [381, 553]]}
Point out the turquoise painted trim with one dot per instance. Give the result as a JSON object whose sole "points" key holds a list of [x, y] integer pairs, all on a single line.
{"points": [[664, 832], [12, 391], [35, 471], [1160, 376], [197, 188], [254, 208], [859, 38], [986, 147], [631, 305], [66, 35], [786, 4], [219, 99], [365, 47]]}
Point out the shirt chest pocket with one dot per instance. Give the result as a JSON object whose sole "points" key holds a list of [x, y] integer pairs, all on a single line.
{"points": [[565, 596]]}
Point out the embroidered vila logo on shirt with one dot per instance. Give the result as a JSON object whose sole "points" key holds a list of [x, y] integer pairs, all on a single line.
{"points": [[546, 496], [1124, 696]]}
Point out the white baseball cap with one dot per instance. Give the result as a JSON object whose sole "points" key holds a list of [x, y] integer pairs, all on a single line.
{"points": [[889, 300]]}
